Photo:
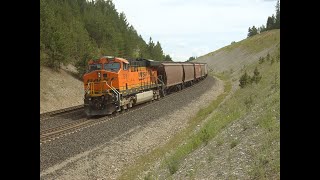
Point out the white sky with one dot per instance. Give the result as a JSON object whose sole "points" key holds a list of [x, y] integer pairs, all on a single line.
{"points": [[188, 28]]}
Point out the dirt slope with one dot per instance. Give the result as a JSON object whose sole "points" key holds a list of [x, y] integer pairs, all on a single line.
{"points": [[59, 89], [235, 56]]}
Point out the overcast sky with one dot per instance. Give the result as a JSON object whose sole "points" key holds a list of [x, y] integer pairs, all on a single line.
{"points": [[188, 28]]}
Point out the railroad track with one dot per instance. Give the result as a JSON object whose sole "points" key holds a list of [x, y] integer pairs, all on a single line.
{"points": [[50, 114], [69, 128], [57, 132], [48, 131]]}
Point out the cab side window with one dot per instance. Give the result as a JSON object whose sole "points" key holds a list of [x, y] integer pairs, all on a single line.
{"points": [[125, 66]]}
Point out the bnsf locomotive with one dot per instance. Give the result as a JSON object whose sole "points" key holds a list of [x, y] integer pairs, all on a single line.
{"points": [[113, 84]]}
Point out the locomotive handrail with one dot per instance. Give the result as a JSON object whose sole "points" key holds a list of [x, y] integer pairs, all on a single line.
{"points": [[114, 90], [89, 88], [160, 79]]}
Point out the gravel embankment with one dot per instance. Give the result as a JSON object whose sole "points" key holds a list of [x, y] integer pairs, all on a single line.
{"points": [[103, 150], [218, 160]]}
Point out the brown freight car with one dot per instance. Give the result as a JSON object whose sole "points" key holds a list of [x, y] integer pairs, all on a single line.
{"points": [[188, 69], [197, 71], [206, 70], [202, 70], [172, 75]]}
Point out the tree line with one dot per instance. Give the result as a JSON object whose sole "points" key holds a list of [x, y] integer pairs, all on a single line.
{"points": [[191, 58], [74, 31], [273, 22]]}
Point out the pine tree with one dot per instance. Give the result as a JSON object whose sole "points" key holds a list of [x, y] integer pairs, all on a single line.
{"points": [[261, 29], [191, 58], [158, 52], [150, 48], [252, 31], [256, 76], [244, 80], [167, 58], [249, 32], [271, 22], [277, 18], [268, 57]]}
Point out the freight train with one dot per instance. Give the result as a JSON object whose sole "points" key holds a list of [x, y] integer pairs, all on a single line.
{"points": [[113, 84]]}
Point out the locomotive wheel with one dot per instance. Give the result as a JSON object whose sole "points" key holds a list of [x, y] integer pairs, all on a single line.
{"points": [[179, 87], [124, 107], [130, 104], [163, 93], [115, 113]]}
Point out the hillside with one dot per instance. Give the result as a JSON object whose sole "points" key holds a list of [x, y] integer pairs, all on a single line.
{"points": [[59, 89], [238, 135], [242, 53]]}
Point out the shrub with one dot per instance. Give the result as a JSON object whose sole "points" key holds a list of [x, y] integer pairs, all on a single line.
{"points": [[256, 76], [261, 60], [272, 60], [205, 136], [172, 165], [268, 57], [244, 80], [234, 143]]}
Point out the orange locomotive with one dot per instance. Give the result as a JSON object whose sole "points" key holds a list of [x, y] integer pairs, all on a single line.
{"points": [[112, 85]]}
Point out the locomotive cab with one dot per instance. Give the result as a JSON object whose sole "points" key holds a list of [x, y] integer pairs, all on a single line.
{"points": [[101, 85]]}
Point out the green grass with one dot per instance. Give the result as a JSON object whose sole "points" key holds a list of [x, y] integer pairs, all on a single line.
{"points": [[257, 43], [253, 44], [173, 163], [267, 158]]}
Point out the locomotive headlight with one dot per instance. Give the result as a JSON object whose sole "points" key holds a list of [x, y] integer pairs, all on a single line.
{"points": [[99, 74]]}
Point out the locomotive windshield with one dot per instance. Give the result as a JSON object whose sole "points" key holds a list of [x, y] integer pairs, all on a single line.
{"points": [[93, 67], [114, 66]]}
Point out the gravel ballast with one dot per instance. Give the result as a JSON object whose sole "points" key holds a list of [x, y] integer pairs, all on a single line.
{"points": [[102, 151]]}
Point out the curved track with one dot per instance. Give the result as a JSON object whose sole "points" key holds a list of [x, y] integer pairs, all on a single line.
{"points": [[54, 133], [80, 123]]}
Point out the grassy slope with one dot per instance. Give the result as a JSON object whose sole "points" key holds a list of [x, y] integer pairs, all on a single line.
{"points": [[235, 56], [256, 108]]}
